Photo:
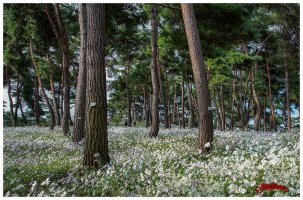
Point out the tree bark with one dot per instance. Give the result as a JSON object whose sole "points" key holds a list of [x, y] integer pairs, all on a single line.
{"points": [[17, 101], [163, 93], [9, 90], [190, 106], [175, 102], [96, 136], [200, 76], [129, 102], [182, 110], [80, 104], [55, 108], [52, 121], [59, 31], [287, 97], [37, 100], [154, 75], [22, 113], [257, 101], [272, 109]]}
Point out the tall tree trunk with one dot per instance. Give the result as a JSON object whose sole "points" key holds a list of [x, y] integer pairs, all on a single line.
{"points": [[175, 102], [9, 90], [287, 97], [203, 99], [52, 121], [22, 113], [17, 100], [162, 92], [190, 106], [80, 104], [241, 102], [129, 102], [59, 31], [51, 80], [148, 111], [154, 74], [37, 100], [96, 136], [182, 105], [221, 106], [219, 121], [144, 104], [256, 99], [62, 97], [264, 113], [272, 109]]}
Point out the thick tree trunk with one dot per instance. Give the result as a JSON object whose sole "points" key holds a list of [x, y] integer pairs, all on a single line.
{"points": [[154, 74], [9, 92], [190, 106], [257, 101], [52, 121], [148, 111], [80, 104], [96, 137], [287, 97], [203, 99], [59, 31], [37, 100]]}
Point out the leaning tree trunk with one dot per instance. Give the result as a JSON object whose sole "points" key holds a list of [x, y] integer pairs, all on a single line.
{"points": [[80, 104], [52, 122], [154, 75], [59, 31], [287, 98], [9, 92], [190, 106], [203, 99], [96, 137], [272, 109], [22, 113]]}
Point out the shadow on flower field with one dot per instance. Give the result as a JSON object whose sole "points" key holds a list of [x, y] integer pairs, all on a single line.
{"points": [[38, 162]]}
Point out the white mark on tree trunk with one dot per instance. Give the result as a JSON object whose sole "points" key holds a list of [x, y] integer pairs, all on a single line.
{"points": [[92, 104]]}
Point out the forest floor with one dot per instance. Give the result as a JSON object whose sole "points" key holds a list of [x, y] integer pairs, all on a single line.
{"points": [[38, 162]]}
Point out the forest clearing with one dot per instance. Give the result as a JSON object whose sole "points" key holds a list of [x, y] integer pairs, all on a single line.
{"points": [[151, 99], [49, 164]]}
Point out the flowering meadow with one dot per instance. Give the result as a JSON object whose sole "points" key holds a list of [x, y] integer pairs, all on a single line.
{"points": [[39, 162]]}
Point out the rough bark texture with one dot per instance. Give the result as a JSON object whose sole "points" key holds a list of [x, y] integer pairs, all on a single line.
{"points": [[200, 76], [52, 121], [80, 104], [59, 31], [190, 106], [17, 100], [257, 101], [154, 75], [287, 97], [96, 137], [272, 109]]}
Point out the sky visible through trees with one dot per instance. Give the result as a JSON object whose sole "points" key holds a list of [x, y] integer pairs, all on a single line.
{"points": [[94, 75]]}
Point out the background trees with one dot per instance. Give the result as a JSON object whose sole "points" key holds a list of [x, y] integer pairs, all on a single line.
{"points": [[251, 57]]}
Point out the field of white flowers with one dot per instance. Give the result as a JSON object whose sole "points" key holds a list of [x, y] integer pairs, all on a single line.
{"points": [[38, 162]]}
